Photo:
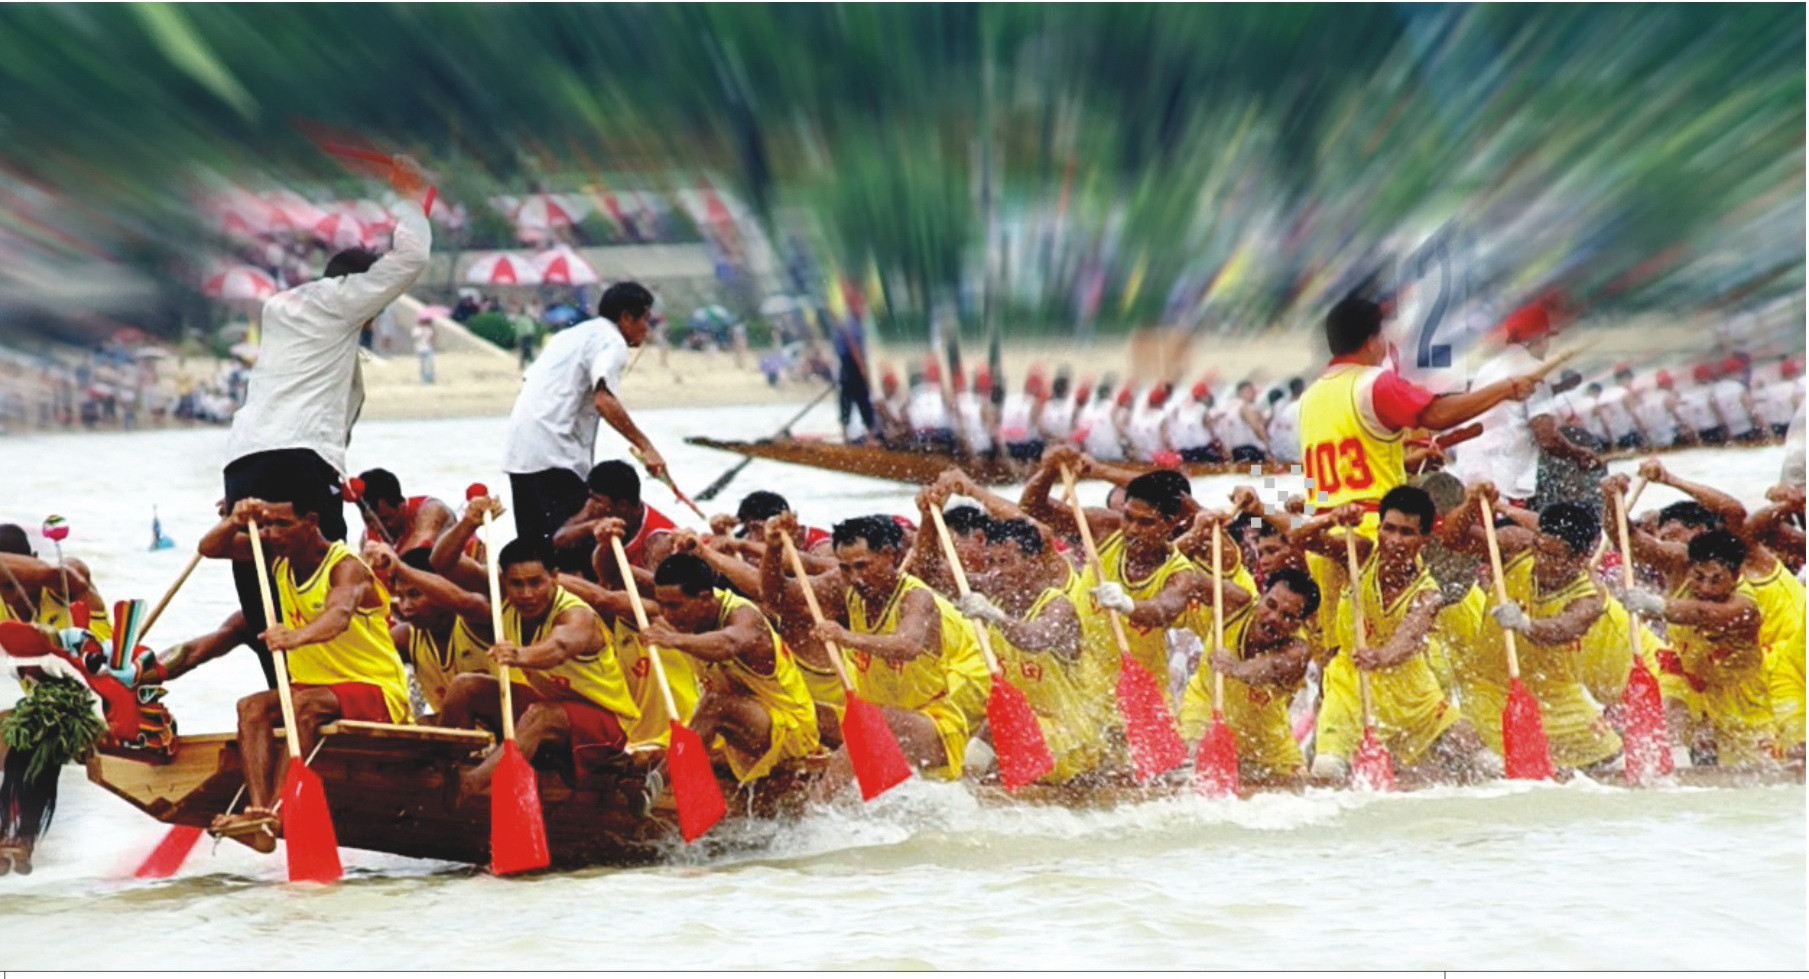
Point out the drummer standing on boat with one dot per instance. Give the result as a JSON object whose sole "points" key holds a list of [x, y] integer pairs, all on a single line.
{"points": [[576, 380], [288, 440]]}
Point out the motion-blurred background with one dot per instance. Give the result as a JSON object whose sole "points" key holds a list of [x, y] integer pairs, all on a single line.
{"points": [[934, 172]]}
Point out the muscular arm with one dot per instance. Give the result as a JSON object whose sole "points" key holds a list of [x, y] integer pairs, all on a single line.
{"points": [[919, 632], [575, 633], [432, 520], [350, 590], [1550, 438], [1165, 606], [1314, 534], [468, 605], [1408, 638], [228, 540], [448, 556], [1452, 410], [614, 604], [1569, 625], [578, 528], [1282, 667], [1056, 630], [33, 573], [1738, 616], [616, 415], [744, 637]]}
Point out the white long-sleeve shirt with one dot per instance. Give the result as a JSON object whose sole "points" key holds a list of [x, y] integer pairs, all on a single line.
{"points": [[306, 389]]}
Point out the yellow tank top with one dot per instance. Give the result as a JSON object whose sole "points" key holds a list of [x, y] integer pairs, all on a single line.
{"points": [[593, 676], [1780, 598], [435, 666], [54, 612], [1412, 681], [782, 693], [1344, 452], [1199, 615], [654, 725], [363, 653], [1258, 710], [1042, 676], [956, 673], [1735, 694], [1149, 644]]}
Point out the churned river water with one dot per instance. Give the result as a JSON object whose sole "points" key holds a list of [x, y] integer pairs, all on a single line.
{"points": [[1501, 876]]}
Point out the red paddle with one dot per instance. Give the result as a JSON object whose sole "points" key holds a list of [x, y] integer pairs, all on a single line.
{"points": [[1149, 726], [1525, 753], [313, 848], [374, 156], [694, 785], [1215, 768], [879, 763], [170, 854], [1371, 765], [1017, 736], [1645, 744], [517, 824]]}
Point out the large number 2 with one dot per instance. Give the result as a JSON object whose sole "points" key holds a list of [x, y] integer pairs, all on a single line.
{"points": [[1431, 356]]}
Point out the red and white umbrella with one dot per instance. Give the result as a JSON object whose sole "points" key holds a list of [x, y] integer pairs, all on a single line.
{"points": [[550, 211], [563, 266], [240, 282], [342, 230], [293, 211], [503, 269]]}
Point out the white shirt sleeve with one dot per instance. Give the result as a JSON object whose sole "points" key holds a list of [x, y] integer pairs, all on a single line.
{"points": [[607, 365], [352, 299]]}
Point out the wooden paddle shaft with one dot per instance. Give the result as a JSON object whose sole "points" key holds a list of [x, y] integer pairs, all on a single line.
{"points": [[505, 690], [1218, 616], [1621, 506], [816, 611], [164, 602], [1356, 608], [960, 573], [640, 622], [1093, 561], [1601, 546], [284, 695], [1501, 594]]}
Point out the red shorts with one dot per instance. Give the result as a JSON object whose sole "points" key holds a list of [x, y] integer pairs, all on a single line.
{"points": [[357, 701], [595, 728]]}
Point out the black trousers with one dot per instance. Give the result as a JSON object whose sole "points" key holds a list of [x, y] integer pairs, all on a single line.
{"points": [[280, 474], [1247, 453], [544, 501], [853, 395]]}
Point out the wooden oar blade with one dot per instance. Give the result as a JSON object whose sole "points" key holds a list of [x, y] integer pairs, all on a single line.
{"points": [[1149, 727], [1215, 768], [170, 853], [694, 785], [1645, 743], [1371, 767], [1525, 753], [308, 827], [517, 824], [1017, 737], [879, 763]]}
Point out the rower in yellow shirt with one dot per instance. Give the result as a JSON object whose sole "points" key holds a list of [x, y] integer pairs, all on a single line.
{"points": [[1554, 607], [42, 600], [1715, 627], [335, 628], [1148, 581], [441, 629], [1264, 660], [1778, 593], [755, 708], [566, 685], [1402, 607], [909, 651]]}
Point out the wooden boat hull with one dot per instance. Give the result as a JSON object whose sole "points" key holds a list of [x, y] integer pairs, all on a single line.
{"points": [[394, 790], [924, 467]]}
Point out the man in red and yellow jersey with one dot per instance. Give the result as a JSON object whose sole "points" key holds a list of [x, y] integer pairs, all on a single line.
{"points": [[1354, 417], [754, 699], [566, 686], [441, 630], [335, 629]]}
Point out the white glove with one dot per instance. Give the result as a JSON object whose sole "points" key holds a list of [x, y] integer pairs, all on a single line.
{"points": [[1644, 601], [1112, 595], [977, 606], [1509, 615]]}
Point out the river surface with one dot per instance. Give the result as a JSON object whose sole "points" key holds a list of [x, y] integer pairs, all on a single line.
{"points": [[1501, 876]]}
